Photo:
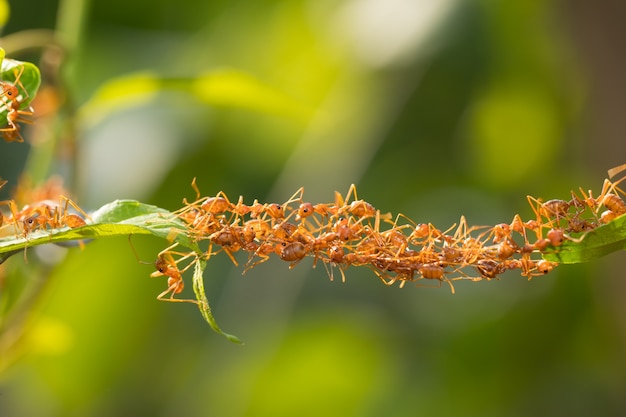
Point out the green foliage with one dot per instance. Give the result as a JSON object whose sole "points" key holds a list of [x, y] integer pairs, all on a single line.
{"points": [[119, 218], [28, 76], [483, 106], [221, 87]]}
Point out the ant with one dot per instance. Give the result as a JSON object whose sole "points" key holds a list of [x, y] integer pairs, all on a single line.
{"points": [[229, 238], [292, 252], [9, 203], [13, 100], [358, 208], [609, 195], [166, 265], [52, 214]]}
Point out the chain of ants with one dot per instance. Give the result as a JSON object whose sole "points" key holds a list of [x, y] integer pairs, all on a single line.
{"points": [[348, 232], [351, 232]]}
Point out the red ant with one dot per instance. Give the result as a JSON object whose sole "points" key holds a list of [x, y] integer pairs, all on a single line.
{"points": [[50, 214], [166, 265], [13, 100]]}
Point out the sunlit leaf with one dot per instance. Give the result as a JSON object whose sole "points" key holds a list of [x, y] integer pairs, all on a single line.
{"points": [[605, 239], [29, 81], [235, 88], [119, 218], [121, 93], [216, 88]]}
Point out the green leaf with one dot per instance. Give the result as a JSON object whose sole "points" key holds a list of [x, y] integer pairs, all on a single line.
{"points": [[119, 218], [601, 241], [229, 87], [123, 218], [203, 303], [28, 78], [148, 218], [222, 87], [121, 93]]}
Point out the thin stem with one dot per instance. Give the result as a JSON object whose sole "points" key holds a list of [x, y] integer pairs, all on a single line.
{"points": [[71, 21]]}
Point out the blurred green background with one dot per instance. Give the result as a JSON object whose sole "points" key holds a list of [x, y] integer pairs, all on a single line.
{"points": [[434, 110]]}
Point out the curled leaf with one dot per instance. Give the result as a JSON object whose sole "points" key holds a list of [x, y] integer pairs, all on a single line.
{"points": [[29, 79], [203, 303]]}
